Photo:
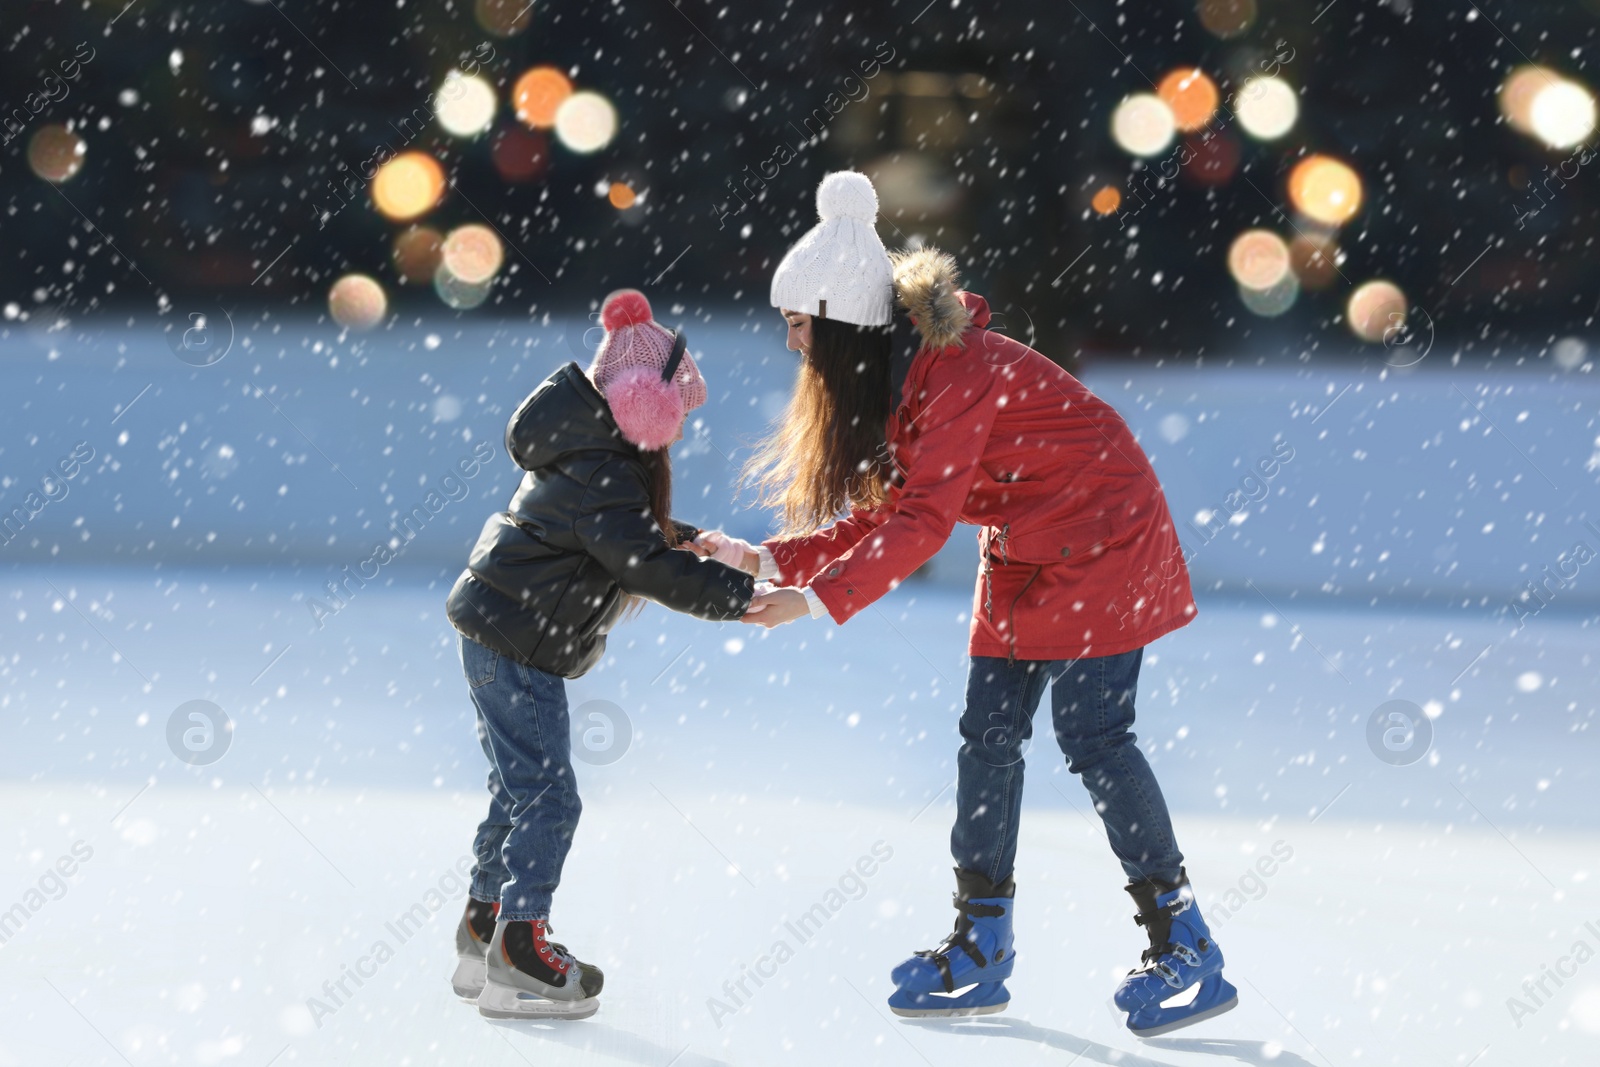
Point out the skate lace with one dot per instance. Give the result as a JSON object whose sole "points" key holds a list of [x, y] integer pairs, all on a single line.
{"points": [[553, 953], [1151, 958]]}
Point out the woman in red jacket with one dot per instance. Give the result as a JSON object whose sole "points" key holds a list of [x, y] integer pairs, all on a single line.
{"points": [[1080, 569]]}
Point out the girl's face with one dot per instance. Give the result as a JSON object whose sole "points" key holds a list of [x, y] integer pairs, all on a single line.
{"points": [[799, 339]]}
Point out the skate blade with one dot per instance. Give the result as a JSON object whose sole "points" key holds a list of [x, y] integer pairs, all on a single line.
{"points": [[949, 1013], [470, 978], [979, 999], [504, 1002], [1187, 1020]]}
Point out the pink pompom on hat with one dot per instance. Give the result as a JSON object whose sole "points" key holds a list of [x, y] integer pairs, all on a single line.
{"points": [[631, 370]]}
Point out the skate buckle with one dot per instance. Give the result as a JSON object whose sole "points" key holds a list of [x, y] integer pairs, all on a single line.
{"points": [[1188, 955]]}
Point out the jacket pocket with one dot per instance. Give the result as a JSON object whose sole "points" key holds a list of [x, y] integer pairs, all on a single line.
{"points": [[1059, 544], [478, 662], [992, 500]]}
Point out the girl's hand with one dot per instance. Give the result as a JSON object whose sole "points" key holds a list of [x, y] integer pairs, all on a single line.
{"points": [[730, 550], [776, 608]]}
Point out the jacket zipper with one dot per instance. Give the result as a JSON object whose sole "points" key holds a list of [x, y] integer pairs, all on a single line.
{"points": [[1011, 616]]}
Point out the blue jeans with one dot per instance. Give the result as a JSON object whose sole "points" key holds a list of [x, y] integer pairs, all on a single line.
{"points": [[533, 797], [1092, 707]]}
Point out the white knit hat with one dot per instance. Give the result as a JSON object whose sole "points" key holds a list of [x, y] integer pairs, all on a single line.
{"points": [[839, 270]]}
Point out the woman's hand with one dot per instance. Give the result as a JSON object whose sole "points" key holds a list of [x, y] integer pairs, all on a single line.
{"points": [[725, 548], [776, 608]]}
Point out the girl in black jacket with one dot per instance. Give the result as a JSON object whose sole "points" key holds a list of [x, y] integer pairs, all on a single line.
{"points": [[586, 533]]}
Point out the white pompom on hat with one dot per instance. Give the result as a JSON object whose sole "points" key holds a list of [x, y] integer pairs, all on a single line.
{"points": [[839, 270]]}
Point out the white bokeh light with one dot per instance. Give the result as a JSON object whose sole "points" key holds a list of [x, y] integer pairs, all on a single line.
{"points": [[1267, 108], [1563, 114], [586, 122], [466, 104], [1143, 124]]}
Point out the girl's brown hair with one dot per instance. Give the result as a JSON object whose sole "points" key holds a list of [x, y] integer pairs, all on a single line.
{"points": [[658, 469], [827, 453], [658, 466]]}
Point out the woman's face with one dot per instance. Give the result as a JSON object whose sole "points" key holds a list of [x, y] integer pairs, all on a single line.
{"points": [[799, 339]]}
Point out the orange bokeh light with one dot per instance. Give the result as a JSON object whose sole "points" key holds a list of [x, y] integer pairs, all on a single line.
{"points": [[417, 253], [1106, 200], [408, 185], [1191, 95], [1226, 18], [473, 253], [1518, 91], [1314, 257], [1325, 190], [1376, 310], [621, 195], [55, 153], [538, 94], [1258, 259]]}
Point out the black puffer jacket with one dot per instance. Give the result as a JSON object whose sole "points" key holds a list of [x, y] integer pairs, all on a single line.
{"points": [[550, 574]]}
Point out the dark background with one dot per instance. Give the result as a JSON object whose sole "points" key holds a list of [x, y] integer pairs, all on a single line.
{"points": [[1006, 151]]}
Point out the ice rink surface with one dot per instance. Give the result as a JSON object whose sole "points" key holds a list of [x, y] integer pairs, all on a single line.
{"points": [[759, 772], [294, 901]]}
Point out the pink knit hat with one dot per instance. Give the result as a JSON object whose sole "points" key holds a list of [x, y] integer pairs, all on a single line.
{"points": [[648, 395]]}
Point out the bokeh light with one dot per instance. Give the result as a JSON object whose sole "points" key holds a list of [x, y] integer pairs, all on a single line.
{"points": [[504, 18], [357, 302], [1267, 108], [459, 294], [1214, 157], [472, 253], [466, 104], [586, 122], [1569, 352], [1376, 308], [1226, 18], [1519, 89], [1272, 301], [1563, 114], [538, 94], [520, 155], [417, 252], [1143, 124], [55, 153], [1190, 95], [1258, 259], [1325, 190], [1314, 257], [408, 185], [1106, 200], [621, 195]]}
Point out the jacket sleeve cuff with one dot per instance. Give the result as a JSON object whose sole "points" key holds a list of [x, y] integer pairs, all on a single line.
{"points": [[768, 568], [814, 603]]}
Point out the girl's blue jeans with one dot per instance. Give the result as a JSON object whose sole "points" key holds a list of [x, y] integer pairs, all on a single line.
{"points": [[533, 798]]}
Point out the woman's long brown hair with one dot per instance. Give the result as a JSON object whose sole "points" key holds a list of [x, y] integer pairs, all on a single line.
{"points": [[827, 453]]}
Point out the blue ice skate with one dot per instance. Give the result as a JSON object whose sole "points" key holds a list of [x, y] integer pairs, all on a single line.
{"points": [[976, 954], [1181, 955]]}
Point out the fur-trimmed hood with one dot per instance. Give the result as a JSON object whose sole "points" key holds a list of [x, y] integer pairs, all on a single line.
{"points": [[928, 285]]}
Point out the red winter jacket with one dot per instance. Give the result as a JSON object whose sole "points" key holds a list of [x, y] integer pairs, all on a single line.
{"points": [[1078, 552]]}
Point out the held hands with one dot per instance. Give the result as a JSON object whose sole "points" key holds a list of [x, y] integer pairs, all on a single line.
{"points": [[776, 607], [727, 549]]}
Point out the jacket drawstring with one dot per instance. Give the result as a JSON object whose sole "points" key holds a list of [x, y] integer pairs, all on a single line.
{"points": [[988, 569]]}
